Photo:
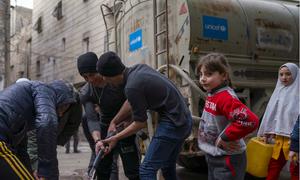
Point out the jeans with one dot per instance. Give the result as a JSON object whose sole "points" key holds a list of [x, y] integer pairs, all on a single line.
{"points": [[164, 149]]}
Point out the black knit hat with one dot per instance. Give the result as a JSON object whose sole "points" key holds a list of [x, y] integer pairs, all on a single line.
{"points": [[86, 63], [110, 64]]}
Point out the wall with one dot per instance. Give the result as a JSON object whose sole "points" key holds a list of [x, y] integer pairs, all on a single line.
{"points": [[4, 41], [20, 41], [56, 48]]}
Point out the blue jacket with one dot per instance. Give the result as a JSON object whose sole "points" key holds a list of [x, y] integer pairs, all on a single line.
{"points": [[295, 137], [32, 105]]}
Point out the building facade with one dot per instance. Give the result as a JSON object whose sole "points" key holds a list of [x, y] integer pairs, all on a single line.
{"points": [[4, 41], [62, 30], [20, 42]]}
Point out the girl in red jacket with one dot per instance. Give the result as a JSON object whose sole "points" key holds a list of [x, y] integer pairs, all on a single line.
{"points": [[224, 121]]}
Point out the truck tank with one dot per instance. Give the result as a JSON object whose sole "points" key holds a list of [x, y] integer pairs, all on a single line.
{"points": [[257, 36]]}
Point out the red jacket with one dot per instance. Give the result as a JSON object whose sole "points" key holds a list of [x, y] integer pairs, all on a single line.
{"points": [[226, 117]]}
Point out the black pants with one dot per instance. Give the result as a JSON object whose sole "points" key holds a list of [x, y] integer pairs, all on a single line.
{"points": [[22, 154], [75, 143], [10, 166], [90, 140], [114, 168], [130, 156]]}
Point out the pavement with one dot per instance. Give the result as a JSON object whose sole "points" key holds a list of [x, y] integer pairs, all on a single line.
{"points": [[73, 166]]}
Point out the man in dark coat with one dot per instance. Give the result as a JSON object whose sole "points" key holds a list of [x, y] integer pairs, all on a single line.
{"points": [[26, 106], [68, 124]]}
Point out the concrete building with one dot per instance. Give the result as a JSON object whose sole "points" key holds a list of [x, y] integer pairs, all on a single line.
{"points": [[62, 30], [20, 45], [20, 17], [4, 41]]}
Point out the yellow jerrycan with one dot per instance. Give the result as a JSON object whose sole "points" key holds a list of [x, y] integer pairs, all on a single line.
{"points": [[258, 157]]}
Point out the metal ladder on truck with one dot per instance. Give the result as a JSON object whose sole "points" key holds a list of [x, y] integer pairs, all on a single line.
{"points": [[158, 32], [116, 13], [107, 13]]}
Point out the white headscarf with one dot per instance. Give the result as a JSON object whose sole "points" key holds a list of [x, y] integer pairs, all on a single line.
{"points": [[283, 108]]}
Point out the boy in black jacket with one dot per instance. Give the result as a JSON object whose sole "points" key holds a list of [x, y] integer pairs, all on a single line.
{"points": [[110, 100]]}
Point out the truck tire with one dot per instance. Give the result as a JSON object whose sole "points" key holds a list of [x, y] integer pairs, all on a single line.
{"points": [[193, 163]]}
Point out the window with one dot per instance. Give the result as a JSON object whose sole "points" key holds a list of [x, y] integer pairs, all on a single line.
{"points": [[63, 44], [86, 41], [21, 74], [18, 49], [28, 57], [51, 59], [38, 68], [58, 11], [86, 44], [38, 25]]}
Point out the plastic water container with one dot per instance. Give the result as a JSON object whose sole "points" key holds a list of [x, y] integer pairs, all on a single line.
{"points": [[258, 157]]}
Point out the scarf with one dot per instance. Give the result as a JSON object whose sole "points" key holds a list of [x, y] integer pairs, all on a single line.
{"points": [[283, 108]]}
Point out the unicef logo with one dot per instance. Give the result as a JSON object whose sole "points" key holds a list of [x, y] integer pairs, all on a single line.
{"points": [[136, 40], [223, 28], [215, 27]]}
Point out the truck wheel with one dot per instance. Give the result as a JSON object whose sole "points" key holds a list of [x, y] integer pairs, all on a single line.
{"points": [[193, 163]]}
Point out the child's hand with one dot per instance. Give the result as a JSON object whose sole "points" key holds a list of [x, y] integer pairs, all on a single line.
{"points": [[229, 146], [269, 138]]}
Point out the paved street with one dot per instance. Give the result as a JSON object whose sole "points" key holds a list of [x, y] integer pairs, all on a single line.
{"points": [[73, 166]]}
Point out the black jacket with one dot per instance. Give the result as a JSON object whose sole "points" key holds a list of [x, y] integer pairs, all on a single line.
{"points": [[110, 99], [32, 105], [89, 96]]}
